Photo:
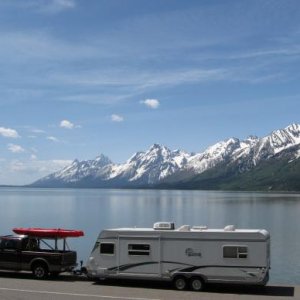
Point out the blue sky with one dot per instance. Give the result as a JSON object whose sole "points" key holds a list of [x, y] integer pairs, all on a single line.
{"points": [[84, 77]]}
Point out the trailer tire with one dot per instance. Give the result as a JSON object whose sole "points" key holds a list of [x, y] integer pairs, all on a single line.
{"points": [[40, 270], [180, 283], [196, 283]]}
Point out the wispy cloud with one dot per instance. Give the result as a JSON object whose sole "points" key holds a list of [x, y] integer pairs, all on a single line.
{"points": [[52, 138], [33, 157], [8, 132], [115, 84], [21, 47], [117, 118], [48, 6], [35, 130], [25, 172], [108, 84], [41, 166], [15, 148], [123, 85], [151, 103], [134, 79]]}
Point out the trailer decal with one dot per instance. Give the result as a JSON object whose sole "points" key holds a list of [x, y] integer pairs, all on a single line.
{"points": [[129, 266]]}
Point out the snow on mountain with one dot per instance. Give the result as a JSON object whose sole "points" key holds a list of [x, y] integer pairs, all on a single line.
{"points": [[79, 170], [213, 155], [252, 149], [151, 166], [276, 142], [159, 162]]}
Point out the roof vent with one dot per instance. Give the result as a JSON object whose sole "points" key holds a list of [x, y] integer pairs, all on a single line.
{"points": [[229, 228], [164, 226], [184, 228]]}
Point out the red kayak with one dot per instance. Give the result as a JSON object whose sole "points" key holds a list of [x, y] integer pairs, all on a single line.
{"points": [[49, 232]]}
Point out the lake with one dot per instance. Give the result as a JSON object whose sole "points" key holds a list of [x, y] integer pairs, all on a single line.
{"points": [[95, 209]]}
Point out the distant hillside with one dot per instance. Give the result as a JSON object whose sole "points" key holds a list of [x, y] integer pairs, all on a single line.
{"points": [[268, 163], [277, 173]]}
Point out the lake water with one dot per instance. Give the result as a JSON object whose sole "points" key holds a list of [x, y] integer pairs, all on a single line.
{"points": [[95, 209]]}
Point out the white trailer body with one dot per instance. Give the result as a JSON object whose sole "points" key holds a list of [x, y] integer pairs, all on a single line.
{"points": [[196, 254]]}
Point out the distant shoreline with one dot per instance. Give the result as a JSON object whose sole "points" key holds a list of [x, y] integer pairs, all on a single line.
{"points": [[150, 188]]}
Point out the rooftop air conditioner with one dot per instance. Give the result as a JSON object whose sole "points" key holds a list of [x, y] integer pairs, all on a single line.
{"points": [[164, 226]]}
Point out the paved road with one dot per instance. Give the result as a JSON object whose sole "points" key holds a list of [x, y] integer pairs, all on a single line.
{"points": [[24, 287]]}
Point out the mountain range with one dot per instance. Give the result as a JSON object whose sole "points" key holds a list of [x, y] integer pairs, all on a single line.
{"points": [[268, 163]]}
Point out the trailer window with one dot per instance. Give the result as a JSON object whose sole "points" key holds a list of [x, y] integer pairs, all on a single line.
{"points": [[138, 249], [235, 252], [107, 248]]}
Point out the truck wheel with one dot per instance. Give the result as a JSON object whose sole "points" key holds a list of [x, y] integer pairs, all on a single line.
{"points": [[180, 283], [196, 284], [40, 271]]}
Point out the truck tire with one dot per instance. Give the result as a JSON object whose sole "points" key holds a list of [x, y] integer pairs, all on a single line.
{"points": [[196, 283], [180, 283], [40, 271]]}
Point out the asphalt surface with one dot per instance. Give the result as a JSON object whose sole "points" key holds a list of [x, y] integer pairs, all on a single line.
{"points": [[17, 286]]}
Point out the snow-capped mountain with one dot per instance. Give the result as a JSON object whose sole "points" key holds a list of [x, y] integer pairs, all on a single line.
{"points": [[159, 164], [99, 167], [142, 168], [276, 142], [151, 166]]}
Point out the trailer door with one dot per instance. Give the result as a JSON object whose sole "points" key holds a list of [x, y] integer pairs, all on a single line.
{"points": [[139, 255]]}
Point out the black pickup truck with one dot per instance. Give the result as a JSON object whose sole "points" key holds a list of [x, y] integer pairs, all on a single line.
{"points": [[24, 253]]}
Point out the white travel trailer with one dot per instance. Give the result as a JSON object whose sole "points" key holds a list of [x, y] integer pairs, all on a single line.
{"points": [[187, 256]]}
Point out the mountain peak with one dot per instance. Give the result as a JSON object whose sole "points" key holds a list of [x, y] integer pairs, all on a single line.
{"points": [[293, 129], [156, 147], [252, 138], [102, 160], [75, 162], [294, 126]]}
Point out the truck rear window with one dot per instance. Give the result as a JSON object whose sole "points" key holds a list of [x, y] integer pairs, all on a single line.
{"points": [[9, 244]]}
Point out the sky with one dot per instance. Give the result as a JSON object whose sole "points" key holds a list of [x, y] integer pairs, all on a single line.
{"points": [[83, 77]]}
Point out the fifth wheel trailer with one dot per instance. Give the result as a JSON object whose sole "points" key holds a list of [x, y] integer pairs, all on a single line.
{"points": [[188, 256]]}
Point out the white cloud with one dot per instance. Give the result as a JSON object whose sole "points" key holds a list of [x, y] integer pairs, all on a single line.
{"points": [[50, 6], [35, 130], [15, 148], [8, 132], [33, 157], [45, 167], [66, 124], [25, 172], [151, 103], [117, 118], [17, 166], [52, 138]]}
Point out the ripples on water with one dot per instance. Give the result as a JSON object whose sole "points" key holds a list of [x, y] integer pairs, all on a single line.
{"points": [[95, 209]]}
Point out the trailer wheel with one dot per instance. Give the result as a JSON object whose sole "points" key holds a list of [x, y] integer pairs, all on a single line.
{"points": [[40, 271], [180, 282], [196, 283]]}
